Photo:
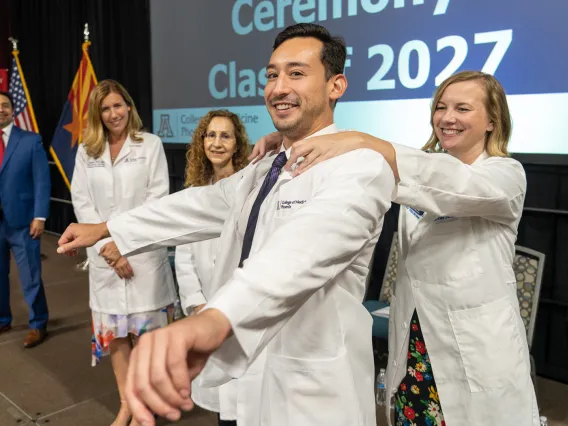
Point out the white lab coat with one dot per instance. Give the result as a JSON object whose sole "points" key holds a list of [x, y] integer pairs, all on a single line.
{"points": [[298, 298], [194, 271], [457, 232], [101, 191]]}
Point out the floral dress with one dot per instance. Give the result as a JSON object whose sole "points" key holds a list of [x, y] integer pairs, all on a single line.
{"points": [[107, 327], [417, 402]]}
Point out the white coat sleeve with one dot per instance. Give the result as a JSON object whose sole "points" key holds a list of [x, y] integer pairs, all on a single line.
{"points": [[83, 205], [187, 216], [441, 184], [158, 184], [189, 283], [313, 245]]}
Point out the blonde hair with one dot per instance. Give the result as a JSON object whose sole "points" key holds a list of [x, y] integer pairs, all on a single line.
{"points": [[496, 140], [96, 133], [198, 168]]}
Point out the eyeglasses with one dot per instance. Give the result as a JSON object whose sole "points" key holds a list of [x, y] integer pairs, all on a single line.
{"points": [[211, 136]]}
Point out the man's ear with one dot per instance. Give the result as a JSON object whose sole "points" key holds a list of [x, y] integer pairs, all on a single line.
{"points": [[337, 86]]}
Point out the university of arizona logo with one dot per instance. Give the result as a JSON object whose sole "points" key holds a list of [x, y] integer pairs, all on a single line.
{"points": [[165, 130]]}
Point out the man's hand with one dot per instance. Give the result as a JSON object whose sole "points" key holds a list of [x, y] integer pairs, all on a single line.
{"points": [[165, 361], [110, 253], [81, 235], [123, 268], [36, 228]]}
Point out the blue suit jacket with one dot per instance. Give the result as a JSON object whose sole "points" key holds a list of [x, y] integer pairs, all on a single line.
{"points": [[25, 183]]}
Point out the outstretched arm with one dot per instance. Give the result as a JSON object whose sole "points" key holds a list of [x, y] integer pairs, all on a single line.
{"points": [[190, 215]]}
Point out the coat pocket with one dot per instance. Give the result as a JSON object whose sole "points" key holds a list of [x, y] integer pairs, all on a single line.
{"points": [[311, 392], [491, 348]]}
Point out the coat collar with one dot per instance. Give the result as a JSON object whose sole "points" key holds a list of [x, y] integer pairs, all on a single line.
{"points": [[332, 128], [483, 156], [124, 151]]}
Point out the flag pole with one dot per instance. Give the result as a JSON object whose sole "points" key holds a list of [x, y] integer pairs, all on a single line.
{"points": [[16, 54], [83, 82], [83, 265]]}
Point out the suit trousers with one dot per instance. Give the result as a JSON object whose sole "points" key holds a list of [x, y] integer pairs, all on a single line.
{"points": [[27, 255]]}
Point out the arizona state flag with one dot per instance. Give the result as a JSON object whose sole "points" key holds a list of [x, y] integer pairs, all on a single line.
{"points": [[69, 132]]}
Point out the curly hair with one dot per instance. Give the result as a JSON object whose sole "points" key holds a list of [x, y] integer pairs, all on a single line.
{"points": [[198, 168]]}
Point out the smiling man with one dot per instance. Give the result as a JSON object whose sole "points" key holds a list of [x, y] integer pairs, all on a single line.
{"points": [[286, 317], [25, 188]]}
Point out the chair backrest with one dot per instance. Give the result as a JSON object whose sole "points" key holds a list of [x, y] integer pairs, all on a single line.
{"points": [[528, 266], [389, 279]]}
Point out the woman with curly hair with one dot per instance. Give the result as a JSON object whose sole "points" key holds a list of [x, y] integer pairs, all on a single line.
{"points": [[219, 148]]}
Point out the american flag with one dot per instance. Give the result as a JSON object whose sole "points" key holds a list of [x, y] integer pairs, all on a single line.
{"points": [[22, 105]]}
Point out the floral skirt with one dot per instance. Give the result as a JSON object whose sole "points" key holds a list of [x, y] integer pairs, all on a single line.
{"points": [[416, 401], [107, 327]]}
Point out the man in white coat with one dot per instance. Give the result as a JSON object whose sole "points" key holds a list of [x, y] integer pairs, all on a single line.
{"points": [[296, 293]]}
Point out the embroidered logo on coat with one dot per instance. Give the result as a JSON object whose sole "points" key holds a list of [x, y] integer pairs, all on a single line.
{"points": [[417, 213], [287, 204]]}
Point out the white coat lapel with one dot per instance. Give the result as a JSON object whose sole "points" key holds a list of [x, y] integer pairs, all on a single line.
{"points": [[229, 252], [106, 155], [251, 179], [124, 151]]}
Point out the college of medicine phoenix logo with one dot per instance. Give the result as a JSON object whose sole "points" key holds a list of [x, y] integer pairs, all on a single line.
{"points": [[165, 130]]}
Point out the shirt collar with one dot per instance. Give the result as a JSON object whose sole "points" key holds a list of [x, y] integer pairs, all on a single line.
{"points": [[8, 130], [332, 128]]}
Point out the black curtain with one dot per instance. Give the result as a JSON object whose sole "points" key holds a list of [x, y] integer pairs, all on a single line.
{"points": [[544, 227], [50, 35], [5, 33]]}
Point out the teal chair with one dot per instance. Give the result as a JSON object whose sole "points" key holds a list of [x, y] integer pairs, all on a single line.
{"points": [[380, 324]]}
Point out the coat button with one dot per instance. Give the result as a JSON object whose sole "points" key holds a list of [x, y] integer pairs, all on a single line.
{"points": [[416, 285], [404, 325], [394, 363]]}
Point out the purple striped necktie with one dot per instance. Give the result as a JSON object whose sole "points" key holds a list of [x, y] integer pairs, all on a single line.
{"points": [[269, 181]]}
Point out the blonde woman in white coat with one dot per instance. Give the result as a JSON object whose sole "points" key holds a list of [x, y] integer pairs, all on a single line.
{"points": [[119, 167], [458, 354], [218, 149]]}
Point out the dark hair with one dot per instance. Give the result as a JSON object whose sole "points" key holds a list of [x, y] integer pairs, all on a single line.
{"points": [[334, 51], [9, 96]]}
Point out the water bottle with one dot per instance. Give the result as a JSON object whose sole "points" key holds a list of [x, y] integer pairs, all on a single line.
{"points": [[543, 421], [381, 391]]}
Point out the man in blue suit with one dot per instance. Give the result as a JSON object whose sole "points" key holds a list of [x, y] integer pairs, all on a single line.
{"points": [[24, 205]]}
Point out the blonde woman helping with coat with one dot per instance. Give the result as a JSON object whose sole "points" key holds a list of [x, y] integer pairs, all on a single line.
{"points": [[117, 168], [458, 354]]}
